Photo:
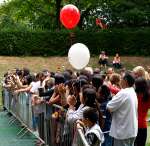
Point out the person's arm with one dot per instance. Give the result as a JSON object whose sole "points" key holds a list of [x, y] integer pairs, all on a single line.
{"points": [[24, 89], [100, 56], [113, 90], [116, 102], [54, 100], [74, 115], [47, 93]]}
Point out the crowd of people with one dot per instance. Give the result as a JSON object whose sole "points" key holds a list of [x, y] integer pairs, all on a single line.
{"points": [[111, 108]]}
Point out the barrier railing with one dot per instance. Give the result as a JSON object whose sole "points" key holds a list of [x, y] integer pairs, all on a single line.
{"points": [[53, 128]]}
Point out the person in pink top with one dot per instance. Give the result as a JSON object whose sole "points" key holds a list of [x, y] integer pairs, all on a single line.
{"points": [[142, 88]]}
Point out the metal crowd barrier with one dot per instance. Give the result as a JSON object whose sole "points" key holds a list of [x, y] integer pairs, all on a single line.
{"points": [[53, 129]]}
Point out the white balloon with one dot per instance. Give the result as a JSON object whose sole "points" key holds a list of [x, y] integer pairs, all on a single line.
{"points": [[79, 56]]}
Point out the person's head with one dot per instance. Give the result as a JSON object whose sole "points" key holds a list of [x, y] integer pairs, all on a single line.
{"points": [[127, 80], [46, 72], [83, 77], [142, 88], [67, 75], [90, 117], [40, 76], [89, 70], [78, 84], [28, 79], [26, 71], [115, 79], [103, 74], [85, 73], [88, 96], [59, 78], [110, 71], [139, 71], [117, 55], [103, 52], [103, 93], [50, 83], [96, 71], [97, 81]]}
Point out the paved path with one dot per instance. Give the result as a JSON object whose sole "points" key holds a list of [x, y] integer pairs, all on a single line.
{"points": [[8, 134]]}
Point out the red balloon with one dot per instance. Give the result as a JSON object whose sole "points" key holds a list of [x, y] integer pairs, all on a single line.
{"points": [[69, 16]]}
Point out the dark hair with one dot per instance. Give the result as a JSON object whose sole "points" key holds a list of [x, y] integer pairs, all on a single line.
{"points": [[78, 84], [104, 93], [129, 78], [83, 77], [59, 78], [26, 71], [89, 95], [91, 114], [39, 76], [141, 87], [97, 81], [67, 76], [19, 72], [29, 79]]}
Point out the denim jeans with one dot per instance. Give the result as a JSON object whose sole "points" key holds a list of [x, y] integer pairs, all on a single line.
{"points": [[108, 140]]}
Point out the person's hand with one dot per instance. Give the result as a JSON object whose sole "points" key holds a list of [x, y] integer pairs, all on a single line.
{"points": [[79, 124], [48, 102], [16, 92], [71, 100], [61, 89]]}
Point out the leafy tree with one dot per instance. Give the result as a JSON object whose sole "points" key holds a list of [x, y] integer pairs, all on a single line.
{"points": [[44, 14]]}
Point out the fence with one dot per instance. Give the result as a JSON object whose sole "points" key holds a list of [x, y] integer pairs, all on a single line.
{"points": [[52, 126]]}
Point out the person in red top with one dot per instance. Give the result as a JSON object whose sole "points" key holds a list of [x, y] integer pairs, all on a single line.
{"points": [[114, 85], [142, 89]]}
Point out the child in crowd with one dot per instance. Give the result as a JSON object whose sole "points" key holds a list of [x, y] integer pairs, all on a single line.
{"points": [[93, 133]]}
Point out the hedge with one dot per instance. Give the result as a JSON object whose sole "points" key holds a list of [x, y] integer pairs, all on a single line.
{"points": [[45, 43]]}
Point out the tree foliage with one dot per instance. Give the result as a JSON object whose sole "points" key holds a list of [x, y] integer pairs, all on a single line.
{"points": [[44, 14]]}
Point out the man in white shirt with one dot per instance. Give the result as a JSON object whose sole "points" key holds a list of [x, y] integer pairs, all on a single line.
{"points": [[123, 107]]}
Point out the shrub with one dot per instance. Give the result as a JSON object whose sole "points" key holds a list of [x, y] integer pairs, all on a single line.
{"points": [[44, 43]]}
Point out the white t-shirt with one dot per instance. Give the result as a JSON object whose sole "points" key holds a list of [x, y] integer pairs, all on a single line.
{"points": [[35, 86], [124, 114]]}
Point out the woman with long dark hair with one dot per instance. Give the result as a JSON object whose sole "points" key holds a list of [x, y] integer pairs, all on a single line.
{"points": [[142, 88]]}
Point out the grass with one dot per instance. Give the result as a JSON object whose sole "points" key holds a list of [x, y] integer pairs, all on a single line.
{"points": [[53, 63]]}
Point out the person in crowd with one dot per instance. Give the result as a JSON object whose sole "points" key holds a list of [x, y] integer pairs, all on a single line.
{"points": [[77, 85], [148, 70], [140, 71], [96, 71], [49, 88], [117, 61], [123, 107], [57, 95], [114, 84], [97, 81], [87, 99], [103, 59], [122, 71], [34, 86], [107, 75], [104, 96], [93, 133], [142, 89]]}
